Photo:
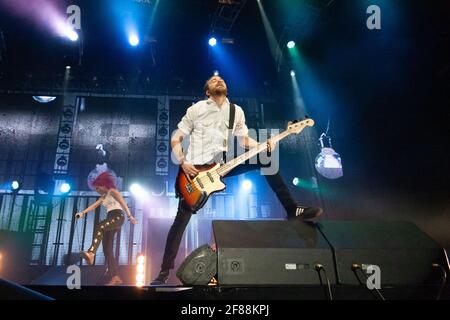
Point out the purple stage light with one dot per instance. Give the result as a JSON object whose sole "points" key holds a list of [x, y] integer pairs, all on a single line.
{"points": [[48, 14]]}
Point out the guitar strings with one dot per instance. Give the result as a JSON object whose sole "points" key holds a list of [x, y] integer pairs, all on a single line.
{"points": [[206, 178], [259, 148]]}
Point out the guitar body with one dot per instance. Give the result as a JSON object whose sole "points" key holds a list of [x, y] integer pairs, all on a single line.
{"points": [[196, 191]]}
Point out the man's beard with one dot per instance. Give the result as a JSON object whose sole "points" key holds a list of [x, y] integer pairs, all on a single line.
{"points": [[218, 91]]}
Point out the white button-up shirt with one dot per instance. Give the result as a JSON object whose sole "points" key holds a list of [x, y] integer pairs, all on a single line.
{"points": [[207, 125]]}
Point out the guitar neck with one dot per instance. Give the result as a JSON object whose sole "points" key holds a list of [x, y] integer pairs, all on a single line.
{"points": [[230, 165]]}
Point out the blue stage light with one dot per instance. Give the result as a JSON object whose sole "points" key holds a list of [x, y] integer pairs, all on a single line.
{"points": [[65, 187], [247, 185], [133, 40], [212, 42], [291, 44], [15, 185]]}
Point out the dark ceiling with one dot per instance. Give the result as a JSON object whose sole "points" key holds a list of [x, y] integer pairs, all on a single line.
{"points": [[174, 50]]}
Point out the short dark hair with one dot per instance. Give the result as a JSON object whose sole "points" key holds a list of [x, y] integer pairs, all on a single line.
{"points": [[205, 87]]}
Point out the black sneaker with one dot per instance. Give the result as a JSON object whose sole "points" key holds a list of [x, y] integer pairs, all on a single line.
{"points": [[161, 278], [306, 213]]}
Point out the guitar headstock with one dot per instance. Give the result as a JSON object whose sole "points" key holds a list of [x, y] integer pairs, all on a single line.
{"points": [[297, 126]]}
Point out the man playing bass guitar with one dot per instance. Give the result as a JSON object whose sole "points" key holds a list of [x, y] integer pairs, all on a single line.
{"points": [[207, 123]]}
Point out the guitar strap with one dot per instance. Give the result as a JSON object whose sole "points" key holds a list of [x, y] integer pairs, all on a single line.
{"points": [[232, 114], [230, 130]]}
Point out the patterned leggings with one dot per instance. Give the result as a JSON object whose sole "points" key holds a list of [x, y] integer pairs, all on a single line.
{"points": [[106, 231]]}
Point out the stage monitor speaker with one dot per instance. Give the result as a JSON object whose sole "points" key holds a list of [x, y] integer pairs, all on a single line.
{"points": [[199, 267], [15, 256], [273, 252], [402, 251]]}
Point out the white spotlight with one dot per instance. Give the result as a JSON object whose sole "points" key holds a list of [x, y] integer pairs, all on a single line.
{"points": [[133, 40], [65, 188], [15, 185], [139, 192], [212, 42], [291, 44], [136, 189], [247, 185], [72, 35]]}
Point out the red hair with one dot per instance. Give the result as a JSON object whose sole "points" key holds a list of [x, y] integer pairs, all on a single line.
{"points": [[104, 180]]}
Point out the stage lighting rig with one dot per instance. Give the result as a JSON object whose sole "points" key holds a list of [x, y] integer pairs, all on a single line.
{"points": [[225, 16]]}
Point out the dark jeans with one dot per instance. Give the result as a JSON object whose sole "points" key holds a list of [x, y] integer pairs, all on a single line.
{"points": [[184, 214], [105, 231]]}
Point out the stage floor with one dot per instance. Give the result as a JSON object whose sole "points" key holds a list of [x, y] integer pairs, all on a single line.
{"points": [[274, 293]]}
